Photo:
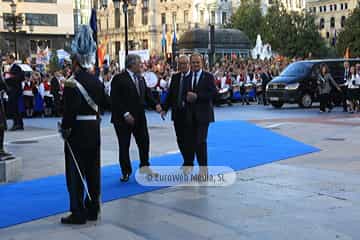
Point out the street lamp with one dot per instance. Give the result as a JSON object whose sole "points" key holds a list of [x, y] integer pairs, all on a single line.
{"points": [[14, 21], [125, 10]]}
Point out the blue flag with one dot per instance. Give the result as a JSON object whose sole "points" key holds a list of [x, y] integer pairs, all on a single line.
{"points": [[93, 23]]}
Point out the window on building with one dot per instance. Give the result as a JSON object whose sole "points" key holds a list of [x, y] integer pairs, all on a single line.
{"points": [[202, 17], [343, 19], [322, 23], [117, 47], [212, 17], [163, 18], [331, 8], [342, 6], [320, 9], [335, 7], [145, 44], [314, 9], [37, 19], [332, 22], [327, 35], [144, 16], [271, 2], [117, 18], [131, 16], [346, 6], [324, 8], [186, 16], [145, 3], [223, 18]]}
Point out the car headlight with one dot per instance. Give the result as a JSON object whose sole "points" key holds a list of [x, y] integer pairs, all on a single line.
{"points": [[267, 87], [292, 86]]}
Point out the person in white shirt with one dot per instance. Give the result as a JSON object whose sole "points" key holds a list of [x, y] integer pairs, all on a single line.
{"points": [[353, 85]]}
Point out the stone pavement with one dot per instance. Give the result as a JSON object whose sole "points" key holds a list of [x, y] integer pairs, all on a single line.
{"points": [[315, 196]]}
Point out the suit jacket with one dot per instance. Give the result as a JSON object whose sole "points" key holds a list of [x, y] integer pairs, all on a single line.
{"points": [[202, 111], [266, 78], [177, 112], [16, 77], [55, 87], [125, 98]]}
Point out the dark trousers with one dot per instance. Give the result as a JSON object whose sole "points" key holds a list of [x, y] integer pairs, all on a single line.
{"points": [[196, 135], [344, 97], [141, 135], [89, 163], [14, 108], [325, 102], [179, 125]]}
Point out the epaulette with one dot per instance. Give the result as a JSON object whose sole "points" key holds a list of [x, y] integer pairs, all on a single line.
{"points": [[70, 83]]}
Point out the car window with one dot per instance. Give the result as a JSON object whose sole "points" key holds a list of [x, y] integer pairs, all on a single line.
{"points": [[297, 69]]}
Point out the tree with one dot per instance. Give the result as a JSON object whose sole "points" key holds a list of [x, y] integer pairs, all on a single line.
{"points": [[350, 36], [292, 34], [54, 62], [248, 18]]}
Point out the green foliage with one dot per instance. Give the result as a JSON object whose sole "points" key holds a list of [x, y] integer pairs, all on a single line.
{"points": [[54, 62], [289, 34], [350, 36], [248, 18]]}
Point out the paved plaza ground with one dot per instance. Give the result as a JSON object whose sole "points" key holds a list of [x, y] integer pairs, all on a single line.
{"points": [[315, 196]]}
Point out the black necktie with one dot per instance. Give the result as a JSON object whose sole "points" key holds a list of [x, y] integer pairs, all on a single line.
{"points": [[137, 84], [181, 84], [194, 82]]}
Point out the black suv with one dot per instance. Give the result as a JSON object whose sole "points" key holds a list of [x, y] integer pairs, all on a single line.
{"points": [[298, 82]]}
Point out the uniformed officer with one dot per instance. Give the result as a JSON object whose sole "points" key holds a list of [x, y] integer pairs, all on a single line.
{"points": [[80, 127], [3, 87]]}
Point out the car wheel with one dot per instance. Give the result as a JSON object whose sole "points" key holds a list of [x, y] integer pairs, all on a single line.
{"points": [[306, 101], [277, 104]]}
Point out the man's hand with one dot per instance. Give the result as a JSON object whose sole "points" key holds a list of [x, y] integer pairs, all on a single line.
{"points": [[191, 97], [158, 108], [163, 115], [129, 119]]}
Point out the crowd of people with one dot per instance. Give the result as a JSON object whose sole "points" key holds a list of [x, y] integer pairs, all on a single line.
{"points": [[238, 79]]}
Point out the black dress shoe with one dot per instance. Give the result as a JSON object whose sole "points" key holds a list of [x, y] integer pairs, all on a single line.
{"points": [[125, 178], [92, 216], [74, 219]]}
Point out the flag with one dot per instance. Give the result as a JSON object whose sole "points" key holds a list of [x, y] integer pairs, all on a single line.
{"points": [[93, 24], [102, 51], [174, 36], [163, 40], [347, 53]]}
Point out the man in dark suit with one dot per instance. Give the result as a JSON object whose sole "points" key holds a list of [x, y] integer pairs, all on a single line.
{"points": [[13, 79], [129, 96], [55, 91], [176, 101], [266, 78], [201, 91]]}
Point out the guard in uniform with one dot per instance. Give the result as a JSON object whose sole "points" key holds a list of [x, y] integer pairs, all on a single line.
{"points": [[84, 95], [3, 87]]}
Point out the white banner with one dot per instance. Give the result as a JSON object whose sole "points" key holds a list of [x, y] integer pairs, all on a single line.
{"points": [[144, 54]]}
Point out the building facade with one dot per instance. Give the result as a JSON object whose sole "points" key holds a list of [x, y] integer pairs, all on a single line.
{"points": [[46, 23], [151, 21], [331, 16]]}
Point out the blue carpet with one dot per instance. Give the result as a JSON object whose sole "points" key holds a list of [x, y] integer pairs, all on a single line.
{"points": [[236, 144]]}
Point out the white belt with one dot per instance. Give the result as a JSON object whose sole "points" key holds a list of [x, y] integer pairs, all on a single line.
{"points": [[86, 117]]}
